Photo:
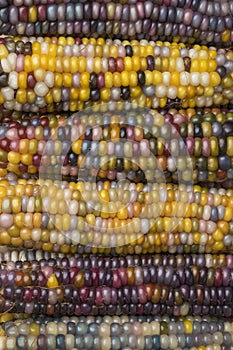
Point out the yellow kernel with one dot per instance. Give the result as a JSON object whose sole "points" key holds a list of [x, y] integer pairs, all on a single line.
{"points": [[100, 41], [67, 79], [135, 91], [122, 213], [26, 159], [30, 96], [77, 146], [212, 65], [52, 281], [23, 146], [73, 105], [84, 79], [36, 47], [108, 78], [58, 79], [44, 61], [136, 63], [21, 96], [52, 50], [172, 64], [3, 51], [187, 225], [62, 41], [157, 77], [66, 222], [90, 218], [84, 94], [148, 77], [70, 41], [97, 65], [175, 78], [149, 50], [98, 51], [128, 64], [196, 237], [188, 326], [74, 65], [113, 51], [34, 328], [165, 64], [22, 80], [226, 36], [125, 78], [194, 65], [181, 92], [66, 64], [117, 79], [82, 64], [105, 94], [214, 79], [212, 53], [228, 214], [74, 94], [32, 14], [209, 91], [27, 63], [59, 65], [203, 65], [218, 246], [133, 79], [218, 235], [143, 63], [174, 52], [162, 102], [104, 194], [35, 61], [49, 98]]}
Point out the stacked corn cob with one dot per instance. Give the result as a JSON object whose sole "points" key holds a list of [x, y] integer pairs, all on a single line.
{"points": [[115, 332], [125, 218], [116, 178], [204, 22], [40, 74], [149, 146], [179, 285]]}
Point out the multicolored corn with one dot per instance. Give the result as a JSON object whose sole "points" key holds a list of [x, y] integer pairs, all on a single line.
{"points": [[46, 74], [136, 285], [121, 217], [203, 22], [114, 332], [211, 270], [138, 145]]}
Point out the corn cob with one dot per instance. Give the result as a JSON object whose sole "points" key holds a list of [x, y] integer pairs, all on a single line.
{"points": [[117, 271], [115, 217], [114, 332], [47, 74], [179, 285], [203, 22], [178, 145], [142, 300]]}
